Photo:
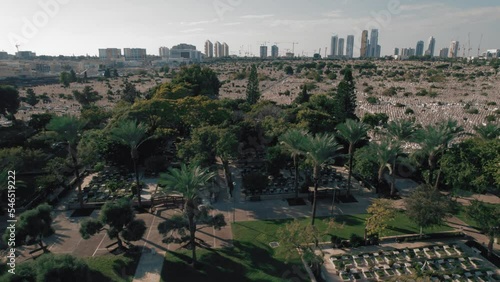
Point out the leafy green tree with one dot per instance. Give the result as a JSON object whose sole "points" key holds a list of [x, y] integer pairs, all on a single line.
{"points": [[297, 236], [65, 78], [120, 220], [364, 165], [303, 96], [132, 134], [31, 98], [9, 101], [39, 121], [199, 81], [49, 267], [191, 182], [253, 93], [487, 217], [319, 150], [488, 131], [381, 212], [226, 148], [472, 165], [427, 207], [107, 73], [72, 76], [69, 129], [353, 132], [293, 142], [130, 93], [34, 224], [87, 97], [376, 119]]}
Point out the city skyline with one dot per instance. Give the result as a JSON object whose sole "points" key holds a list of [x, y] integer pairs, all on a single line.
{"points": [[73, 27]]}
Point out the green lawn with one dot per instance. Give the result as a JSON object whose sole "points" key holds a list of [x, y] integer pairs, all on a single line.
{"points": [[119, 268], [252, 259]]}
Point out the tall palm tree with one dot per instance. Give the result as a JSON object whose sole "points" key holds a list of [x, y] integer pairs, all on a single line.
{"points": [[131, 133], [190, 181], [69, 129], [401, 129], [434, 140], [319, 150], [353, 132], [292, 142], [488, 131], [385, 154]]}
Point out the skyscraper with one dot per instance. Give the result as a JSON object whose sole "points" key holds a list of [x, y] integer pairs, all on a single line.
{"points": [[209, 49], [274, 51], [431, 46], [419, 49], [334, 45], [164, 52], [373, 43], [263, 52], [363, 51], [443, 53], [377, 51], [453, 51], [217, 49], [340, 50], [225, 50], [396, 51], [349, 50]]}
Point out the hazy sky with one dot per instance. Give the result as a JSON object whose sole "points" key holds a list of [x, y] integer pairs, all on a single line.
{"points": [[80, 27]]}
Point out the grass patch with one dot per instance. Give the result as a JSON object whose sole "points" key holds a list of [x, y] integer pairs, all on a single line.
{"points": [[113, 267], [252, 259]]}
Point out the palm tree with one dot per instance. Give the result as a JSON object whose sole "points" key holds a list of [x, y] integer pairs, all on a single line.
{"points": [[190, 181], [353, 132], [489, 131], [434, 140], [320, 149], [292, 142], [132, 134], [69, 129], [401, 130], [385, 154]]}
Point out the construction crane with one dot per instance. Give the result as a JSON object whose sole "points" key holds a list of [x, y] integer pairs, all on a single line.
{"points": [[17, 47], [264, 43], [479, 47], [469, 49]]}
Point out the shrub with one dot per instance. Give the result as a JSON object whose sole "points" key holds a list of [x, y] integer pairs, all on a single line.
{"points": [[356, 240], [372, 100], [409, 111]]}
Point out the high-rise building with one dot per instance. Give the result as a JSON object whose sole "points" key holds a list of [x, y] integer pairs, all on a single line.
{"points": [[378, 50], [218, 49], [334, 46], [349, 50], [209, 49], [274, 51], [134, 54], [443, 53], [110, 53], [225, 50], [396, 51], [164, 52], [419, 49], [453, 52], [430, 47], [373, 44], [263, 52], [340, 50], [363, 52]]}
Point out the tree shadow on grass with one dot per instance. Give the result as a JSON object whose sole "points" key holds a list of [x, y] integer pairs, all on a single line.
{"points": [[401, 230], [229, 264], [349, 220]]}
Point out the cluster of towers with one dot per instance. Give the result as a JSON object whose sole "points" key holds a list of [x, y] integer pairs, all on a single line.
{"points": [[370, 48], [216, 50], [337, 46]]}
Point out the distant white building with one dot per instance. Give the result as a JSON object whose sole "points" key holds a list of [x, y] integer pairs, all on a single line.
{"points": [[263, 52], [134, 54], [110, 53], [25, 55], [185, 53], [349, 51], [430, 47], [443, 53], [340, 50], [225, 50], [209, 49], [492, 54], [453, 51], [164, 52]]}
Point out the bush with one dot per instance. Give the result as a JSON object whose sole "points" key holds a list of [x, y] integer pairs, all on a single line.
{"points": [[336, 241], [254, 183], [372, 100], [356, 240], [409, 111]]}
